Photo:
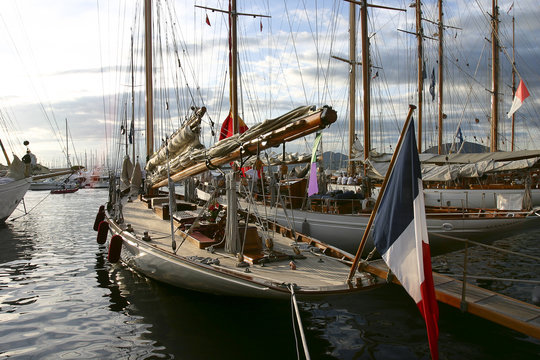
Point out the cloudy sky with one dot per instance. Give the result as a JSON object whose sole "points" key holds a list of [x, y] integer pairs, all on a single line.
{"points": [[71, 60]]}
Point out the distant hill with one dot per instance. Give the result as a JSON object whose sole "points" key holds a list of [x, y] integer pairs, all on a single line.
{"points": [[337, 161], [468, 147], [334, 161]]}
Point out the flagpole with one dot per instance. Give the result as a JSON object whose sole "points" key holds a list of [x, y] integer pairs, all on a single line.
{"points": [[381, 192]]}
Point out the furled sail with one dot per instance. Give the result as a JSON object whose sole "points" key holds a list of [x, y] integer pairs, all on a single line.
{"points": [[185, 138], [290, 126]]}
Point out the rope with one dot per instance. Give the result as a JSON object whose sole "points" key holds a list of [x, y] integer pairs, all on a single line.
{"points": [[299, 320], [28, 212]]}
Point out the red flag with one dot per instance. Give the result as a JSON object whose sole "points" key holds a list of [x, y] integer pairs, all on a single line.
{"points": [[227, 128], [208, 20], [521, 94], [261, 25]]}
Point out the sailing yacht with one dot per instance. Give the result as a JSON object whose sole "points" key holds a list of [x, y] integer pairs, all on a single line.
{"points": [[341, 222], [12, 191], [215, 248], [16, 181]]}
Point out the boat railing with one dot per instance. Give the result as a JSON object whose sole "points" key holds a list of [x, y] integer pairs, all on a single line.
{"points": [[467, 275]]}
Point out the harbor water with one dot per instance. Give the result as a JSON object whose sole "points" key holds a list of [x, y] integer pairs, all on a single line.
{"points": [[61, 299]]}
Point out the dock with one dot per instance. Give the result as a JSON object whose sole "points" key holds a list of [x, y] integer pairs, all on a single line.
{"points": [[503, 310]]}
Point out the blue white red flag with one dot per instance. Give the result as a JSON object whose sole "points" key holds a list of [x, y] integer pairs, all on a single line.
{"points": [[400, 234]]}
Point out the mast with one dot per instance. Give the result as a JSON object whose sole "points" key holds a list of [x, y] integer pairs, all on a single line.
{"points": [[233, 56], [132, 100], [419, 35], [67, 146], [126, 129], [352, 83], [495, 76], [513, 74], [5, 153], [440, 70], [365, 82], [234, 66], [149, 84], [365, 76]]}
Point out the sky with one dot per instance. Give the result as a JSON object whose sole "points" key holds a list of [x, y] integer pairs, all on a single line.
{"points": [[71, 60]]}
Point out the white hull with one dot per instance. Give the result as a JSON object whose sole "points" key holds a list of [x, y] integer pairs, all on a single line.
{"points": [[11, 195], [50, 185], [462, 198], [345, 231], [474, 198]]}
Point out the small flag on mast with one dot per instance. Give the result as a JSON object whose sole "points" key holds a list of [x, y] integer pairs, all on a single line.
{"points": [[208, 20], [521, 94]]}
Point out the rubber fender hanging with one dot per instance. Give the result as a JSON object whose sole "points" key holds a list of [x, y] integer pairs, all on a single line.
{"points": [[99, 217], [115, 247], [103, 229]]}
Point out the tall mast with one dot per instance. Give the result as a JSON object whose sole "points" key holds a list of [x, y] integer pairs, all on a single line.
{"points": [[440, 70], [495, 76], [365, 82], [365, 76], [149, 85], [419, 35], [513, 74], [126, 131], [132, 100], [5, 153], [67, 146], [352, 83], [234, 66]]}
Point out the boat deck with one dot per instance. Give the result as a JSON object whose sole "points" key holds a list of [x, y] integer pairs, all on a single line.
{"points": [[313, 270], [498, 308]]}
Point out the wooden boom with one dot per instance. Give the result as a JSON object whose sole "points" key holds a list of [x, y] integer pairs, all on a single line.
{"points": [[293, 131]]}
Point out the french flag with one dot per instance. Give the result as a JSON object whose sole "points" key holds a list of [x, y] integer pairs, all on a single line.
{"points": [[400, 234]]}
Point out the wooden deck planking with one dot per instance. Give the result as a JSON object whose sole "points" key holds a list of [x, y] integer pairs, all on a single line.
{"points": [[309, 272], [498, 308]]}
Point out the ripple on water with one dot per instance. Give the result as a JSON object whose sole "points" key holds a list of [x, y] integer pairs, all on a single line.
{"points": [[60, 298]]}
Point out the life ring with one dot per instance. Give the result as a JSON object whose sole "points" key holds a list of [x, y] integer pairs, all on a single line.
{"points": [[115, 247]]}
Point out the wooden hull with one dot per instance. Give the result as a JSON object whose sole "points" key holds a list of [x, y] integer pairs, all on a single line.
{"points": [[189, 269], [11, 195]]}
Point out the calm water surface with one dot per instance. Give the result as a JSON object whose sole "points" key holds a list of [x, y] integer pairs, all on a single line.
{"points": [[61, 299]]}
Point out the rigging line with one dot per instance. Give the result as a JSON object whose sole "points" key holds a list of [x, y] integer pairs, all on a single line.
{"points": [[28, 212], [315, 36], [497, 35], [102, 81], [299, 320], [42, 107], [172, 11], [295, 50], [37, 66], [294, 328], [8, 123], [467, 100]]}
